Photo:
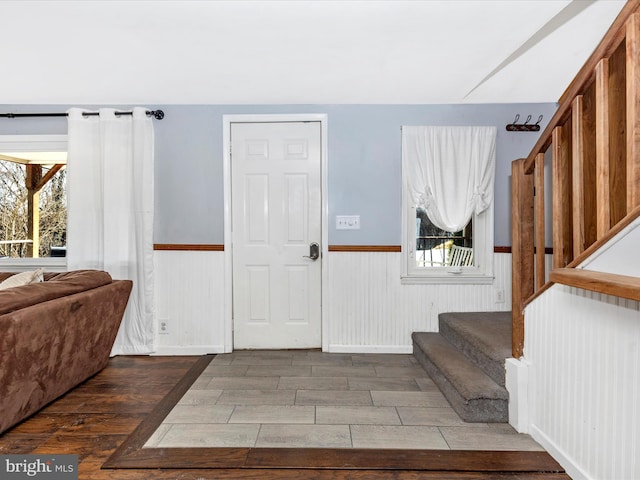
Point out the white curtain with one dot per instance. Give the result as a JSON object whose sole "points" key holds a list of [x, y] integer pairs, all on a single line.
{"points": [[110, 211], [449, 171]]}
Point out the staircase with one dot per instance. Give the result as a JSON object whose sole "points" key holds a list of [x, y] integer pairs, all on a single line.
{"points": [[466, 360]]}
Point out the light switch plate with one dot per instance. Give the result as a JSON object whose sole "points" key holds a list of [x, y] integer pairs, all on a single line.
{"points": [[347, 222]]}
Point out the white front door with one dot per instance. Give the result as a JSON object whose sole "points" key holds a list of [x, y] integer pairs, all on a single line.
{"points": [[276, 218]]}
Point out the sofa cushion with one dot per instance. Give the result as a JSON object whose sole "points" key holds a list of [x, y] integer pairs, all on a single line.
{"points": [[24, 278], [56, 286]]}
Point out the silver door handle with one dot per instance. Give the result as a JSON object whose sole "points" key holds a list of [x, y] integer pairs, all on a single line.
{"points": [[314, 251]]}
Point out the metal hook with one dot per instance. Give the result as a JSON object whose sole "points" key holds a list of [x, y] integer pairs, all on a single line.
{"points": [[527, 120], [539, 120], [517, 118]]}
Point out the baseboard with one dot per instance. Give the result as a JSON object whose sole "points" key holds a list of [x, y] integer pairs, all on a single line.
{"points": [[573, 470], [168, 350], [397, 349]]}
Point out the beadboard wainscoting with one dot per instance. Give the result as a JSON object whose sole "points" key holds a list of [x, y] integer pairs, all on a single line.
{"points": [[369, 310], [366, 310], [190, 301], [582, 350]]}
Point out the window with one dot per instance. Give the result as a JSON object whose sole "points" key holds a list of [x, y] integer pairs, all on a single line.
{"points": [[447, 198], [439, 248], [33, 200], [427, 250]]}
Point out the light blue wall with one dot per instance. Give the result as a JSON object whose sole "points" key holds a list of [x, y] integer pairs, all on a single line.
{"points": [[364, 162]]}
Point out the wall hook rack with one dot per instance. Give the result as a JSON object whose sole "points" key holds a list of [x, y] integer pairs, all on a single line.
{"points": [[524, 127]]}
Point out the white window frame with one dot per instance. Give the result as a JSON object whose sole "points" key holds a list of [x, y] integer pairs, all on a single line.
{"points": [[480, 273], [33, 143]]}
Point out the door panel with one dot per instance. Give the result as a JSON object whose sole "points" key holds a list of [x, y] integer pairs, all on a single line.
{"points": [[258, 294], [256, 208], [296, 206], [276, 215]]}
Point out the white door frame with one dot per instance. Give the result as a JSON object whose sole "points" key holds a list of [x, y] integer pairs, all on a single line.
{"points": [[227, 120]]}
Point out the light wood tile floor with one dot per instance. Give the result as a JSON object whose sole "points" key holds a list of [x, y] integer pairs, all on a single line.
{"points": [[322, 400]]}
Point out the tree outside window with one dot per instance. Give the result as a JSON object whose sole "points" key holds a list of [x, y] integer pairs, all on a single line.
{"points": [[33, 208]]}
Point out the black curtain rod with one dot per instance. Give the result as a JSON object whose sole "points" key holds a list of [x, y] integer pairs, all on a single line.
{"points": [[157, 114]]}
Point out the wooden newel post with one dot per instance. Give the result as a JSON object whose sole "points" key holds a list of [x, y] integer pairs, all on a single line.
{"points": [[522, 248]]}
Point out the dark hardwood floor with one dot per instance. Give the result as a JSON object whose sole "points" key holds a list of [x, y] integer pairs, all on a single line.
{"points": [[115, 409]]}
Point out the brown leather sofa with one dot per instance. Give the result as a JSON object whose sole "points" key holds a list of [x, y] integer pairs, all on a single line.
{"points": [[54, 335]]}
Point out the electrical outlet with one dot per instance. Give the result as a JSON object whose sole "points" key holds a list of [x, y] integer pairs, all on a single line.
{"points": [[500, 296], [164, 329]]}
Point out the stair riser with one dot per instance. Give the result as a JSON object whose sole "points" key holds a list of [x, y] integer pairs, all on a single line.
{"points": [[493, 369], [474, 411]]}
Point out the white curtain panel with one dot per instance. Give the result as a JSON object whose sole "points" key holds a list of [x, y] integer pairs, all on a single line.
{"points": [[449, 171], [110, 211]]}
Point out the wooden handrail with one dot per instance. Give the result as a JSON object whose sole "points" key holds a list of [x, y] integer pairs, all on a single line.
{"points": [[594, 139], [622, 286]]}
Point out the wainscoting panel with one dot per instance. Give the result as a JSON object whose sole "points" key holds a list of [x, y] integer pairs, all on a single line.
{"points": [[371, 311], [190, 296], [368, 310], [584, 381]]}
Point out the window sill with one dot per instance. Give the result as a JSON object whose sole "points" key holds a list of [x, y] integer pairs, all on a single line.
{"points": [[447, 279], [19, 264]]}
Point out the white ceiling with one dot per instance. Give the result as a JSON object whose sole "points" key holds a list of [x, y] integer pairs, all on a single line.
{"points": [[296, 51]]}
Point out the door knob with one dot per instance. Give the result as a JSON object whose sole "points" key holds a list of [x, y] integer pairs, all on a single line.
{"points": [[314, 251]]}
